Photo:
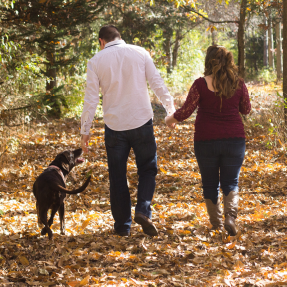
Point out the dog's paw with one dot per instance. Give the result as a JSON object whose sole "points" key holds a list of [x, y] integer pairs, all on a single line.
{"points": [[50, 234], [44, 231]]}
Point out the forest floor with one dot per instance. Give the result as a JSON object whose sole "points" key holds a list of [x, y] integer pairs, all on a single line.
{"points": [[186, 252]]}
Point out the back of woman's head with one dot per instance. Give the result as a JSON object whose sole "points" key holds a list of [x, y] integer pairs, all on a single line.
{"points": [[219, 63]]}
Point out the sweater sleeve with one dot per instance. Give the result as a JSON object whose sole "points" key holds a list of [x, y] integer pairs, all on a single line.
{"points": [[190, 104], [244, 104]]}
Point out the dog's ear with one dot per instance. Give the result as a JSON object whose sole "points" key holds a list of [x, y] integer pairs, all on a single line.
{"points": [[66, 154], [65, 160]]}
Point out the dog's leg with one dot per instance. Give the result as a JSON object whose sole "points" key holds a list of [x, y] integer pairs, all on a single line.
{"points": [[62, 218], [46, 229], [54, 210], [40, 224]]}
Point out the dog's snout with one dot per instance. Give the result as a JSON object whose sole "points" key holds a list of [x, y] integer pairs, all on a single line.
{"points": [[78, 152]]}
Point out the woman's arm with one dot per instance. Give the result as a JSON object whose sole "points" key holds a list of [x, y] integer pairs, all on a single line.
{"points": [[187, 109], [244, 104]]}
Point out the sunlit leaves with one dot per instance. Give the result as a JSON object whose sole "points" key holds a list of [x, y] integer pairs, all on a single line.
{"points": [[90, 253]]}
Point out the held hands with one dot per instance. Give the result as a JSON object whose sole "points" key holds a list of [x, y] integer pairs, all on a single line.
{"points": [[170, 121], [85, 142]]}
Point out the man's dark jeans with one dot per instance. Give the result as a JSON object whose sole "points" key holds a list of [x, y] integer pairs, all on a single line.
{"points": [[118, 145], [219, 161]]}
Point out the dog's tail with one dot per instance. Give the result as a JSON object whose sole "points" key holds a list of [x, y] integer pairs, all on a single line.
{"points": [[75, 191]]}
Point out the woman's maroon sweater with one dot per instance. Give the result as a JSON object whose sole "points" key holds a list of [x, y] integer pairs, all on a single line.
{"points": [[216, 118]]}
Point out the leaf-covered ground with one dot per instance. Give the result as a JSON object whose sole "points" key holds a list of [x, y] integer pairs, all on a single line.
{"points": [[185, 253]]}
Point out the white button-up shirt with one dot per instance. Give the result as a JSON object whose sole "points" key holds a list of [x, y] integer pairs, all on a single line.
{"points": [[122, 71]]}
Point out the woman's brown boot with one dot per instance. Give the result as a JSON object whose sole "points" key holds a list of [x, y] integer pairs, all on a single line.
{"points": [[215, 214], [230, 212]]}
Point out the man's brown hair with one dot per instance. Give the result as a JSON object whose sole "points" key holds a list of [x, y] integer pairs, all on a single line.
{"points": [[109, 33]]}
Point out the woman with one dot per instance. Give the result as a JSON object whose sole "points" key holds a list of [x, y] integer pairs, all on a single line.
{"points": [[219, 138]]}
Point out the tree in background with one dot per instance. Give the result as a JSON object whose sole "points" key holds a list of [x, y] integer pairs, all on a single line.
{"points": [[270, 41], [285, 58], [241, 39], [278, 32], [174, 23], [48, 42], [49, 29], [143, 24], [240, 21], [265, 43]]}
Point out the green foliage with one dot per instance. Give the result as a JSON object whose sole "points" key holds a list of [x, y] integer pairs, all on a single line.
{"points": [[20, 78], [190, 63], [65, 35], [74, 93], [7, 49], [50, 28], [267, 75], [191, 59]]}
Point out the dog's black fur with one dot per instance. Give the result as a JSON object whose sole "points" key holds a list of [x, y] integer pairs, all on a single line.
{"points": [[50, 189]]}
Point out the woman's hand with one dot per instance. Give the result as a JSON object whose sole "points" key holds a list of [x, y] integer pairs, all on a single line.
{"points": [[170, 121]]}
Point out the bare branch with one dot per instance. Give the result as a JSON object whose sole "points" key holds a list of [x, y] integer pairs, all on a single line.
{"points": [[189, 9]]}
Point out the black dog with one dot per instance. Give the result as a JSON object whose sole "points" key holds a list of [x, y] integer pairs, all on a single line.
{"points": [[50, 189]]}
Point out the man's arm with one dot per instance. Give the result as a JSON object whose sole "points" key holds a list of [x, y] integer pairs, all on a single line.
{"points": [[157, 85], [91, 101]]}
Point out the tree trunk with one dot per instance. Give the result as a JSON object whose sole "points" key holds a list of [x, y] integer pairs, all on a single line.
{"points": [[279, 50], [51, 72], [270, 44], [178, 37], [167, 35], [241, 39], [285, 58], [214, 37], [51, 83], [265, 39]]}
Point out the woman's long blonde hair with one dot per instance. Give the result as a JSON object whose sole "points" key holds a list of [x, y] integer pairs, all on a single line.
{"points": [[220, 64]]}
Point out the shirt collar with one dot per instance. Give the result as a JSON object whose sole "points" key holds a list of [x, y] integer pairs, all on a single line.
{"points": [[116, 42]]}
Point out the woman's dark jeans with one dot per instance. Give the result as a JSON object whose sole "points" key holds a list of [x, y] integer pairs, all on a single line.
{"points": [[219, 162], [118, 146]]}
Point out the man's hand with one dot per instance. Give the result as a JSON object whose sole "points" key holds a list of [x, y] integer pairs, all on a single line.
{"points": [[85, 142], [170, 121]]}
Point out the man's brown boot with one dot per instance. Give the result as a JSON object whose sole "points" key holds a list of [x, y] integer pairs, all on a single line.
{"points": [[147, 225]]}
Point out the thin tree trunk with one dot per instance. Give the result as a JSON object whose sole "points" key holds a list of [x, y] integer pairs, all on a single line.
{"points": [[167, 48], [285, 59], [265, 39], [270, 44], [241, 39], [279, 50], [176, 46], [214, 37], [51, 83], [51, 72]]}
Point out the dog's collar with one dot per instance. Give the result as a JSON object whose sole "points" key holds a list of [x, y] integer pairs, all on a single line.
{"points": [[59, 171]]}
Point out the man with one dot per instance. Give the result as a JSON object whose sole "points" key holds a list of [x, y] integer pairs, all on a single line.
{"points": [[121, 71]]}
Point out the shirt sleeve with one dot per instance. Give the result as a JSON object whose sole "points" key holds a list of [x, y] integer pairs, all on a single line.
{"points": [[189, 106], [157, 85], [244, 104], [91, 100]]}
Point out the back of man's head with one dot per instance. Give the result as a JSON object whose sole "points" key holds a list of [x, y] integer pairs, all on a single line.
{"points": [[109, 33]]}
